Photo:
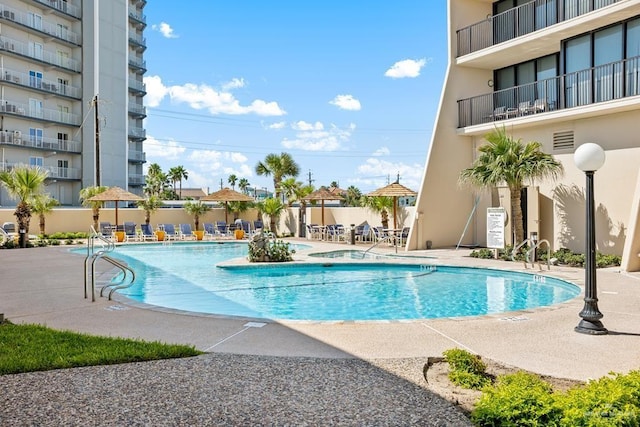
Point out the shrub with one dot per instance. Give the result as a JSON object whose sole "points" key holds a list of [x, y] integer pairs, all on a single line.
{"points": [[519, 399], [466, 370], [603, 261], [483, 253], [262, 249]]}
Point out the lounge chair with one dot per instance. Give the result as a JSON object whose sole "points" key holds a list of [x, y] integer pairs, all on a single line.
{"points": [[257, 225], [379, 233], [147, 233], [539, 106], [185, 232], [169, 231], [106, 229], [401, 238], [222, 228], [524, 108], [130, 231], [209, 230]]}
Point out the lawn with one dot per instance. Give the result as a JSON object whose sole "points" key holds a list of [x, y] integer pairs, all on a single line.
{"points": [[28, 348]]}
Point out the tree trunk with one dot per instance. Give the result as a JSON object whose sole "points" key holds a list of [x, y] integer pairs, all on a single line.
{"points": [[23, 215], [385, 219], [516, 215], [96, 217], [42, 224]]}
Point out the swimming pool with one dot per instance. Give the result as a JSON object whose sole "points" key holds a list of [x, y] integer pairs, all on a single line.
{"points": [[185, 277]]}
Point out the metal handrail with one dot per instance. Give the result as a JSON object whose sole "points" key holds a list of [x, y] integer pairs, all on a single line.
{"points": [[532, 252], [517, 248], [124, 268], [385, 238], [92, 254]]}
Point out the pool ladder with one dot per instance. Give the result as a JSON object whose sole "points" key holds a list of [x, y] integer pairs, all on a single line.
{"points": [[93, 255], [530, 255], [386, 238]]}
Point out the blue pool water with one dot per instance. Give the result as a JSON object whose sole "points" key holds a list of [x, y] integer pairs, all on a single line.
{"points": [[185, 277]]}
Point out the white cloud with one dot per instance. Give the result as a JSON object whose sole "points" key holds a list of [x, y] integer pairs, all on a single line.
{"points": [[164, 29], [406, 68], [277, 126], [382, 151], [234, 83], [346, 102], [203, 96], [156, 90], [377, 172], [169, 150], [314, 137], [220, 162]]}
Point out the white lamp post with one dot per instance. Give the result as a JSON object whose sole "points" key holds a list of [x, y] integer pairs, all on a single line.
{"points": [[589, 158]]}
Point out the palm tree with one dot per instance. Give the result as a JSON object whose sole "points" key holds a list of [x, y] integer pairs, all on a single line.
{"points": [[156, 181], [243, 185], [504, 160], [177, 174], [236, 208], [23, 183], [272, 207], [232, 181], [278, 166], [197, 209], [87, 193], [353, 196], [288, 188], [379, 204], [150, 205], [42, 204]]}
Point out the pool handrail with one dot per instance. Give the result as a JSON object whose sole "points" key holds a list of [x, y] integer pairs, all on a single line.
{"points": [[531, 253]]}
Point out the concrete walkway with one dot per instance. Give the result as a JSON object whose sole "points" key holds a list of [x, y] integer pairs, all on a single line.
{"points": [[45, 285]]}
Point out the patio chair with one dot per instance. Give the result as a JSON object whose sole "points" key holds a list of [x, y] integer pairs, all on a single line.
{"points": [[209, 230], [185, 232], [106, 229], [401, 238], [222, 228], [130, 231], [257, 225], [147, 233], [539, 106], [246, 227], [379, 233], [169, 231], [524, 108]]}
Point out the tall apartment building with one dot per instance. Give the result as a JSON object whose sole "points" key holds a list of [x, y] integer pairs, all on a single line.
{"points": [[560, 72], [49, 78]]}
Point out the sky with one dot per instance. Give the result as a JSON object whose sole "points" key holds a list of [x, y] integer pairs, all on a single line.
{"points": [[349, 89]]}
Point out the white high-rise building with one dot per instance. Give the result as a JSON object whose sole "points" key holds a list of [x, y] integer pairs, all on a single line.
{"points": [[560, 72], [50, 77]]}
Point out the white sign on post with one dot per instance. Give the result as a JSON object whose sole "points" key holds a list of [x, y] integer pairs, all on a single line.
{"points": [[495, 228]]}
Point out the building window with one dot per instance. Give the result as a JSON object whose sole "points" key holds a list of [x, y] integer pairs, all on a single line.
{"points": [[35, 50], [35, 79], [35, 137], [63, 138], [35, 108], [36, 161], [35, 21]]}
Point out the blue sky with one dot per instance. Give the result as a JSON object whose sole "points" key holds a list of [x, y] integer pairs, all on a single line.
{"points": [[349, 89]]}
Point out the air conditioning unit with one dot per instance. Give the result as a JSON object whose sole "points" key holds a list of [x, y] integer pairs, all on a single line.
{"points": [[17, 136]]}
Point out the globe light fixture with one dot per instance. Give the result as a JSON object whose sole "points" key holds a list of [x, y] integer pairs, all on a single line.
{"points": [[589, 158]]}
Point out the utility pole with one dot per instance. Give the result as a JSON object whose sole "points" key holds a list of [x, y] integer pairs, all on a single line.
{"points": [[221, 183], [97, 120], [310, 180]]}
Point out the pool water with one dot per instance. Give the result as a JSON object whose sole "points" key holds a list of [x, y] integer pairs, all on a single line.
{"points": [[185, 277]]}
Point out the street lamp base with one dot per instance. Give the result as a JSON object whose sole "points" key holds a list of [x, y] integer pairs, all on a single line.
{"points": [[591, 327]]}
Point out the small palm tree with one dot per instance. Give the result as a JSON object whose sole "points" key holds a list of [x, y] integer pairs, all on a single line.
{"points": [[23, 183], [150, 205], [232, 181], [243, 185], [87, 193], [272, 207], [42, 204], [197, 209], [236, 208], [177, 174], [381, 205], [279, 166], [504, 160], [288, 188]]}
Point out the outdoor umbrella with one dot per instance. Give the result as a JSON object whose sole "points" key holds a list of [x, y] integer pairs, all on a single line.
{"points": [[227, 195], [322, 194], [394, 190], [115, 194]]}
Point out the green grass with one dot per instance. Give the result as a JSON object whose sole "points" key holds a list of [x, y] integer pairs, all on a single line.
{"points": [[28, 348]]}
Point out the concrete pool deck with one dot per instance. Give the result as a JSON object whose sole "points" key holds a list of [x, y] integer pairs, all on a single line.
{"points": [[45, 286]]}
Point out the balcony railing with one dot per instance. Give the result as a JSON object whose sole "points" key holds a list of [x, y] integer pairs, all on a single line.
{"points": [[137, 156], [43, 26], [136, 179], [137, 110], [137, 85], [41, 84], [522, 20], [137, 133], [20, 48], [62, 173], [607, 82], [136, 16], [63, 6], [54, 144], [46, 114], [137, 63], [138, 41]]}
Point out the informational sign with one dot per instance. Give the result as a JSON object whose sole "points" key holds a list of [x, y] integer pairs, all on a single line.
{"points": [[495, 227]]}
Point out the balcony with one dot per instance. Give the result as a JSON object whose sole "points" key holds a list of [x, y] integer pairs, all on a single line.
{"points": [[136, 86], [613, 81], [63, 6], [136, 179], [43, 26], [62, 173], [137, 18], [137, 110], [137, 133], [45, 143], [41, 85], [51, 58], [137, 64], [48, 115], [138, 41], [137, 156], [523, 20]]}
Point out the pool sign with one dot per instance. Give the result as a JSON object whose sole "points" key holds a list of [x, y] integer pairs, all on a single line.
{"points": [[495, 227]]}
